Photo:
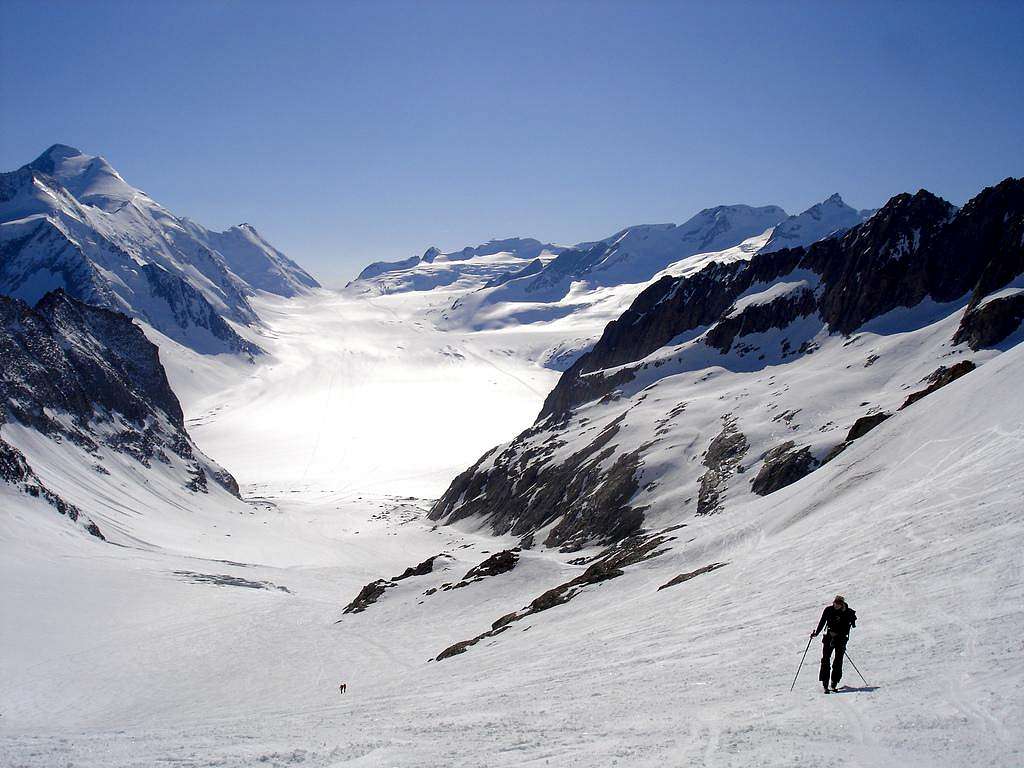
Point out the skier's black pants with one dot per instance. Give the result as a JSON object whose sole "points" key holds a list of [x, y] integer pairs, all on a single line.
{"points": [[830, 644]]}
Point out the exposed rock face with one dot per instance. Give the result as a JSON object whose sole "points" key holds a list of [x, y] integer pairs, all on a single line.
{"points": [[519, 495], [368, 595], [865, 424], [683, 577], [721, 459], [427, 566], [89, 375], [783, 465], [495, 565], [69, 357], [758, 318], [14, 470], [940, 378], [373, 591], [190, 310], [987, 325], [860, 427], [660, 313], [498, 563]]}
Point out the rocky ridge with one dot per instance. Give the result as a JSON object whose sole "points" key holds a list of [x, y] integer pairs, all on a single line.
{"points": [[585, 472], [89, 376]]}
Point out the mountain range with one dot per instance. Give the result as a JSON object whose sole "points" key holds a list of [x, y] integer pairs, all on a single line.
{"points": [[744, 377], [216, 477]]}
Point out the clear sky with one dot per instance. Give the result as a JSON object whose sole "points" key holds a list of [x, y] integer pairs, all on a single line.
{"points": [[358, 131]]}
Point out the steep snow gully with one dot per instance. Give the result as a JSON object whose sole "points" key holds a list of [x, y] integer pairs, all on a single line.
{"points": [[211, 631]]}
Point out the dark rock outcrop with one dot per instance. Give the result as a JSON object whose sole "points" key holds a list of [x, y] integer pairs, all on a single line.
{"points": [[759, 318], [368, 595], [692, 574], [722, 457], [14, 470], [939, 378], [495, 565], [68, 357], [422, 569], [190, 309], [860, 427], [521, 494], [865, 424], [783, 465], [988, 324], [69, 368], [498, 563]]}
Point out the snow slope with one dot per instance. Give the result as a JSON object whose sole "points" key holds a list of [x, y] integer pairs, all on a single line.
{"points": [[918, 524], [213, 634]]}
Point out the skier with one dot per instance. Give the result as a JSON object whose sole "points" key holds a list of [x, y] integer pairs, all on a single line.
{"points": [[840, 619]]}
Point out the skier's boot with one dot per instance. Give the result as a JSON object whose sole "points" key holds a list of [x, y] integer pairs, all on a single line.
{"points": [[825, 686], [835, 688]]}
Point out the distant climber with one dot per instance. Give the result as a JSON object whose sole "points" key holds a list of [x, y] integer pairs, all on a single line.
{"points": [[839, 618], [342, 688]]}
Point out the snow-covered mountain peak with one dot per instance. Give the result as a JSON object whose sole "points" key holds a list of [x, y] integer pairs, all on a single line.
{"points": [[69, 220], [829, 217], [90, 178], [53, 156]]}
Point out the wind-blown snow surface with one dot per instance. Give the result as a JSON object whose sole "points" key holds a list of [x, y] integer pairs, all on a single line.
{"points": [[213, 640]]}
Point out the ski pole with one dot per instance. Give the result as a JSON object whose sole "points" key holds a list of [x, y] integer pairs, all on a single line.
{"points": [[802, 663], [855, 667]]}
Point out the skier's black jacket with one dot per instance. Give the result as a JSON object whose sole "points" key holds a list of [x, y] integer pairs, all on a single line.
{"points": [[839, 622]]}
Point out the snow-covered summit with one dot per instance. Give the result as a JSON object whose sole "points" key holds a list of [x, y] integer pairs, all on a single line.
{"points": [[250, 257], [828, 217], [91, 179], [70, 221]]}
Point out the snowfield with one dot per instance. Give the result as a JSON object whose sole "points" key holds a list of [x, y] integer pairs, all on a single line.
{"points": [[214, 636]]}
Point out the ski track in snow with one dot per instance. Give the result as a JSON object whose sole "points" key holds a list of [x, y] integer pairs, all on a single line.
{"points": [[110, 659]]}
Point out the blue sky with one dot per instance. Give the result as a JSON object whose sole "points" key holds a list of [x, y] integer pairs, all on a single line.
{"points": [[352, 132]]}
